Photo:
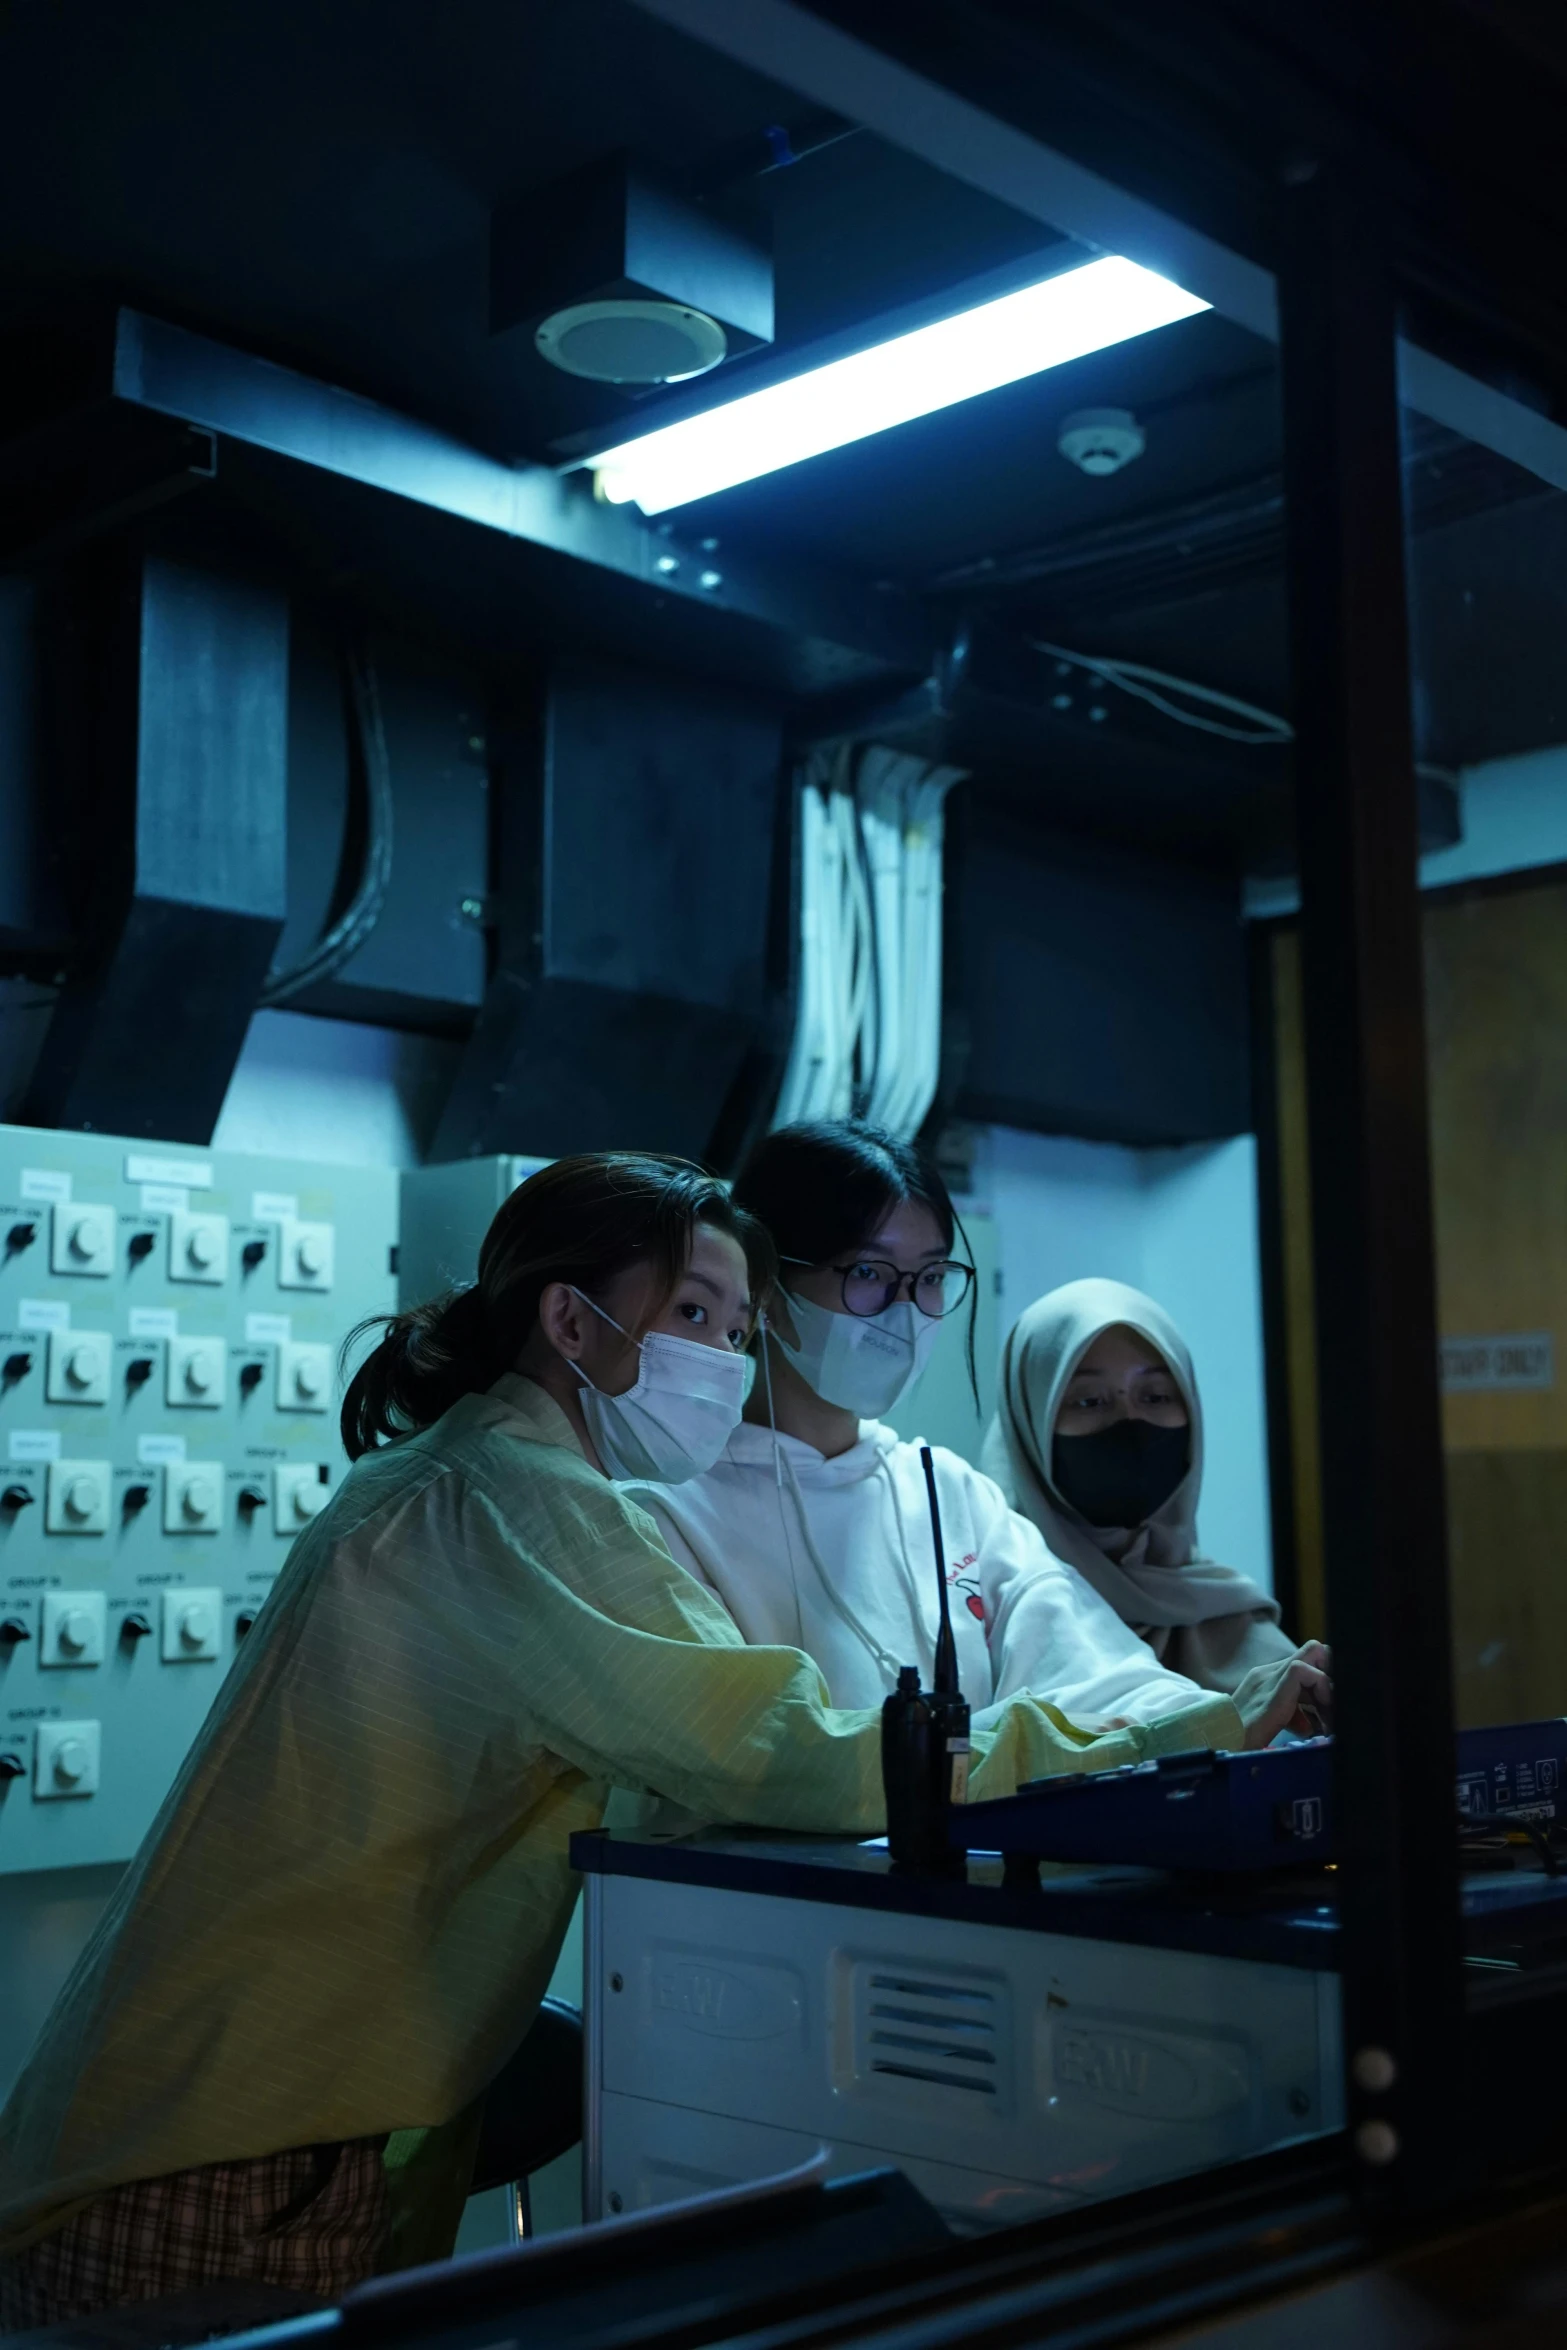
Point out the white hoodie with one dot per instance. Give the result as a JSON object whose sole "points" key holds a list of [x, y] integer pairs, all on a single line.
{"points": [[865, 1603]]}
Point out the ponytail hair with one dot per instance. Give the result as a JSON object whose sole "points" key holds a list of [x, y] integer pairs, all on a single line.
{"points": [[581, 1220]]}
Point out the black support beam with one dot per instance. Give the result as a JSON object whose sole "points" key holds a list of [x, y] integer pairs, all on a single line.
{"points": [[1384, 1511], [843, 625]]}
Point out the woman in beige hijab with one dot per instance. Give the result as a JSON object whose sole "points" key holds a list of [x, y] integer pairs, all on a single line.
{"points": [[1098, 1439]]}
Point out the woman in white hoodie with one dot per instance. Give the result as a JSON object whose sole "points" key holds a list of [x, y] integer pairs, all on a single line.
{"points": [[814, 1528]]}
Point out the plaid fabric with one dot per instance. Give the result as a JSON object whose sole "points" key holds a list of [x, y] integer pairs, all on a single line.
{"points": [[314, 2219]]}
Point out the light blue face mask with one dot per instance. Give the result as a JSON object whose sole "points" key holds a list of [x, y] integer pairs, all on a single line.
{"points": [[863, 1363], [677, 1419]]}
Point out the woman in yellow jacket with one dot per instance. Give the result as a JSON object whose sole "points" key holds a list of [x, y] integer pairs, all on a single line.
{"points": [[270, 2061]]}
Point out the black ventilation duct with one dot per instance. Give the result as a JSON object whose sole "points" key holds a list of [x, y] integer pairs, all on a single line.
{"points": [[630, 1007], [1097, 992], [173, 779]]}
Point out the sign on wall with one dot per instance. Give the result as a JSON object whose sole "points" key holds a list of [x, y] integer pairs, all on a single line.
{"points": [[1515, 1359]]}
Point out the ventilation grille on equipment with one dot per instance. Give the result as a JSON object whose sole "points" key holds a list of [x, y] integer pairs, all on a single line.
{"points": [[919, 2028]]}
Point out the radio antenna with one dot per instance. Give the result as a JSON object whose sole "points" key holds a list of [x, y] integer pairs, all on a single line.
{"points": [[946, 1676]]}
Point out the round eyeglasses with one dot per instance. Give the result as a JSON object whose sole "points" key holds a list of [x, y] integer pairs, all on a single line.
{"points": [[872, 1284]]}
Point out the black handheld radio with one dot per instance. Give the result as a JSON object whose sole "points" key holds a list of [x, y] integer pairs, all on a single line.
{"points": [[925, 1738]]}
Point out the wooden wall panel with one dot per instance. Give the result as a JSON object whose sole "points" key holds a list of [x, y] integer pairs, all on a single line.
{"points": [[1505, 1514], [1496, 1014], [1299, 1315], [1496, 997]]}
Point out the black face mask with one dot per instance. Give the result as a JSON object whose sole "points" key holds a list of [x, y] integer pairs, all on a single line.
{"points": [[1120, 1474]]}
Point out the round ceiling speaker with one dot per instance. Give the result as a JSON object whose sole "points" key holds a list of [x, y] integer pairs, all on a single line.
{"points": [[627, 342]]}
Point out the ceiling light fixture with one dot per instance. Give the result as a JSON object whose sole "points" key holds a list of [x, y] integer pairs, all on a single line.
{"points": [[1044, 325]]}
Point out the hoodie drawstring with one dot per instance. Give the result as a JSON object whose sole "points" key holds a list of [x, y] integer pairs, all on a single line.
{"points": [[783, 1466]]}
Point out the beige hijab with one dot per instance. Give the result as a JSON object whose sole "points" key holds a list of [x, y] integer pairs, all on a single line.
{"points": [[1210, 1622]]}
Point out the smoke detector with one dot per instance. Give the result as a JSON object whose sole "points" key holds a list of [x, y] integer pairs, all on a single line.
{"points": [[1101, 440], [629, 342]]}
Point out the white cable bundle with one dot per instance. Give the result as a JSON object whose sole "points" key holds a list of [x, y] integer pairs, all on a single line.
{"points": [[868, 1030], [901, 801], [834, 948]]}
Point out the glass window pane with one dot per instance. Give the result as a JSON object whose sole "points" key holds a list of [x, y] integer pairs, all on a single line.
{"points": [[990, 536], [1496, 976], [1487, 560], [1487, 583], [1105, 738]]}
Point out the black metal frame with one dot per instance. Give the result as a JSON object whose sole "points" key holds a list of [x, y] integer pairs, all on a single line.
{"points": [[1282, 1471], [1384, 1516]]}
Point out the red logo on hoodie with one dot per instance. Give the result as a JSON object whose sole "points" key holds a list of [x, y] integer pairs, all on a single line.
{"points": [[968, 1586]]}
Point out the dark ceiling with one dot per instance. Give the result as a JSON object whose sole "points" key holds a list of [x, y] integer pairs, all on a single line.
{"points": [[314, 183], [317, 182]]}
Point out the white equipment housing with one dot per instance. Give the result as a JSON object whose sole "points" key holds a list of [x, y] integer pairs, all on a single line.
{"points": [[1009, 2070]]}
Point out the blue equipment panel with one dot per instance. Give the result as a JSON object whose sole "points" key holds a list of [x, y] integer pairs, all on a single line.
{"points": [[1512, 1772], [1244, 1811]]}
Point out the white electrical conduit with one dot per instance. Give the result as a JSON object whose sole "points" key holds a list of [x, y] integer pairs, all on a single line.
{"points": [[819, 1080], [814, 1062], [868, 1027], [901, 802], [856, 927]]}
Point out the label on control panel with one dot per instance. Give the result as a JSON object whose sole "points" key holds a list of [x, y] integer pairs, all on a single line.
{"points": [[267, 1329], [153, 1322], [34, 1444], [274, 1207], [194, 1174], [42, 1313], [45, 1183], [156, 1451], [1510, 1787], [167, 1199]]}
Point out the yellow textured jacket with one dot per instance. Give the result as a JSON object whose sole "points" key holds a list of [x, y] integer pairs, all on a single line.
{"points": [[350, 1904]]}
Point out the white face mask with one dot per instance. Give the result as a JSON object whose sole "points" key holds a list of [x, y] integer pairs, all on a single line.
{"points": [[678, 1417], [864, 1363]]}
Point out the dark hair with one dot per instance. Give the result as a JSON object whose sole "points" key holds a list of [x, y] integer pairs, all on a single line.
{"points": [[827, 1185], [582, 1220]]}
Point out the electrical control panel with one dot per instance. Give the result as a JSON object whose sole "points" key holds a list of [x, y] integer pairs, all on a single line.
{"points": [[170, 1322], [446, 1211]]}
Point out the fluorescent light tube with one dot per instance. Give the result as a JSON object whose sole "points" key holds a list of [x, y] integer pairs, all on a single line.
{"points": [[1000, 342]]}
